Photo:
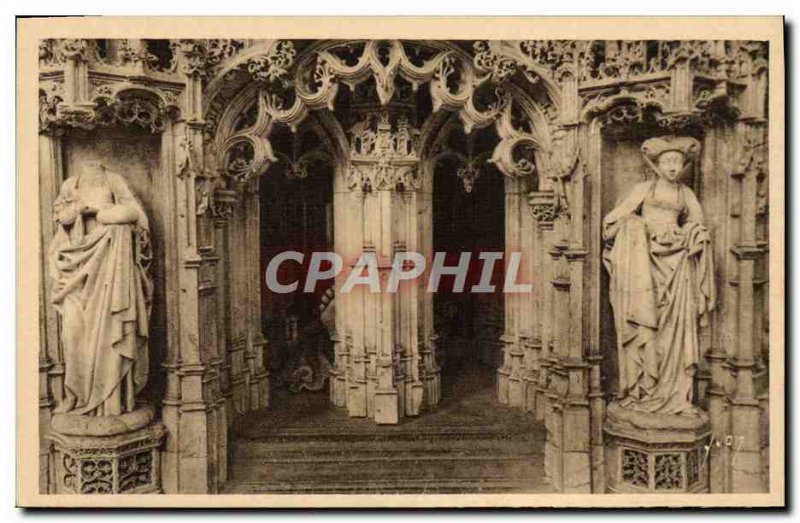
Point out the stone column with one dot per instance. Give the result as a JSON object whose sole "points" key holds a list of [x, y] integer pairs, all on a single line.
{"points": [[510, 376], [193, 411], [256, 342], [745, 462], [543, 210], [381, 329], [426, 335], [51, 359]]}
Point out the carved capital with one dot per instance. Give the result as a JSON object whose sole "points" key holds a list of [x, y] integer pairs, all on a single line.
{"points": [[543, 207], [222, 203]]}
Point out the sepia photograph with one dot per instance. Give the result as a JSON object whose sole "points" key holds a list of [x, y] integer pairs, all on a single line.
{"points": [[320, 262]]}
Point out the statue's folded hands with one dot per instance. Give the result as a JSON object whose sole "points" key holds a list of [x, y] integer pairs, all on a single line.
{"points": [[117, 214]]}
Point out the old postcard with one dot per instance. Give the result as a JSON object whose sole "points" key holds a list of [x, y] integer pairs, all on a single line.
{"points": [[348, 262]]}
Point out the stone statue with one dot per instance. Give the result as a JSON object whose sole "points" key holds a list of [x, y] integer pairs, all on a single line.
{"points": [[98, 262], [658, 254]]}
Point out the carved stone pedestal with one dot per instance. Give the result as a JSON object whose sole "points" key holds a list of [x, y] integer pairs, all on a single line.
{"points": [[107, 454], [656, 453]]}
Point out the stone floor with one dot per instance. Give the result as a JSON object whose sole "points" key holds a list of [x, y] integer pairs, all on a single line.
{"points": [[470, 443]]}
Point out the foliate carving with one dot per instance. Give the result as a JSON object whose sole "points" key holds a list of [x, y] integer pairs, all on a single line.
{"points": [[543, 213], [273, 66], [487, 61], [469, 173], [668, 471], [135, 470], [383, 61], [247, 153], [51, 95], [561, 56], [141, 112], [204, 57], [596, 60], [623, 59], [218, 50], [635, 468], [128, 54], [693, 464], [116, 464], [70, 466], [622, 115], [383, 158], [679, 123], [514, 155], [296, 167], [469, 163], [656, 453], [108, 108], [222, 203], [246, 158], [97, 476], [543, 207], [102, 90], [77, 116], [193, 55]]}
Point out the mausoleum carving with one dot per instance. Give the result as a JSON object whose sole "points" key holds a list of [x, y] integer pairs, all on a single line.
{"points": [[573, 126]]}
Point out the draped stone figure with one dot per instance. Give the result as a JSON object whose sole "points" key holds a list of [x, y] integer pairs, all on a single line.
{"points": [[98, 262], [658, 255]]}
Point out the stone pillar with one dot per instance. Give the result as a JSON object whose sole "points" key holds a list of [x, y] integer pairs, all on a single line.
{"points": [[194, 408], [745, 461], [577, 462], [426, 335], [381, 329], [51, 360], [596, 396], [510, 376], [543, 210], [256, 342]]}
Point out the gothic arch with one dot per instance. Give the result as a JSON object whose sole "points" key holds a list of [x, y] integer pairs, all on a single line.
{"points": [[314, 74]]}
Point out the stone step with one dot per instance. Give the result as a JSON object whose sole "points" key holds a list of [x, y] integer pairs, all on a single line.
{"points": [[385, 486], [245, 449], [408, 466], [384, 433]]}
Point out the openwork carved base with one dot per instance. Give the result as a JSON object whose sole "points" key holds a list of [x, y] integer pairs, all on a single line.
{"points": [[124, 463], [655, 453]]}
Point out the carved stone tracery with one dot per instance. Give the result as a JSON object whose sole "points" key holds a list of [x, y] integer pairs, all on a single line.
{"points": [[619, 84], [383, 156]]}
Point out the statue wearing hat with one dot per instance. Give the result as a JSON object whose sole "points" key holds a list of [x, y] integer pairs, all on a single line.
{"points": [[658, 255]]}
